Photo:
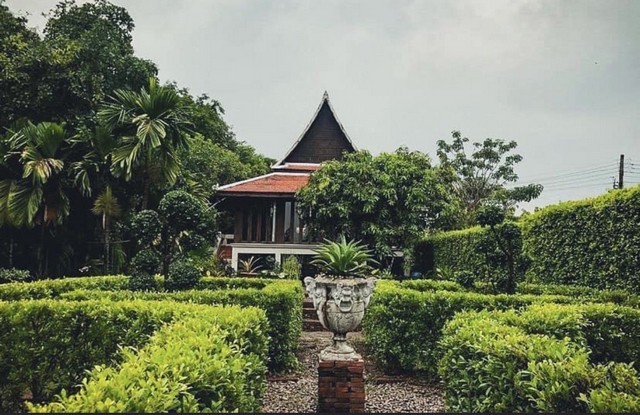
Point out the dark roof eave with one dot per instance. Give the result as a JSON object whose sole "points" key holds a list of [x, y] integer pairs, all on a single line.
{"points": [[257, 194]]}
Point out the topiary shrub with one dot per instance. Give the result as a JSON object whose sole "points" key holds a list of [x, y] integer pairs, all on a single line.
{"points": [[8, 275], [183, 275], [143, 267], [142, 281]]}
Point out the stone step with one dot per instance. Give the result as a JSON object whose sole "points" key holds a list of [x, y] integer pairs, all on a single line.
{"points": [[312, 325], [307, 304], [309, 313]]}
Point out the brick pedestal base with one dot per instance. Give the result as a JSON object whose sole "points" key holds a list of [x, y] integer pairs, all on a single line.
{"points": [[341, 385]]}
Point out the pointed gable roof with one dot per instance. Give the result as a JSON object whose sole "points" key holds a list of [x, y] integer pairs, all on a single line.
{"points": [[323, 139]]}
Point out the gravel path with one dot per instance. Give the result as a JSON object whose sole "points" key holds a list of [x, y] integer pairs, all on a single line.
{"points": [[298, 392]]}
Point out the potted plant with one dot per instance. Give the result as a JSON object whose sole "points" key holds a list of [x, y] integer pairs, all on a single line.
{"points": [[341, 292]]}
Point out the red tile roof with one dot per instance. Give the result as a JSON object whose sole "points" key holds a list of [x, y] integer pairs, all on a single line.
{"points": [[269, 184]]}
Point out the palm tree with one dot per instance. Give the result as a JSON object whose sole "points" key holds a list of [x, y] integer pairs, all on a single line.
{"points": [[107, 206], [93, 168], [153, 126], [36, 194]]}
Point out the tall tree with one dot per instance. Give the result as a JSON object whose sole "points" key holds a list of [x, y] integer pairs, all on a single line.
{"points": [[85, 54], [483, 175], [153, 126], [107, 206], [36, 194], [386, 201]]}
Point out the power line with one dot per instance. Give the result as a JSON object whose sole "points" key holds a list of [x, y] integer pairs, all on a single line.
{"points": [[590, 186], [605, 167], [590, 176]]}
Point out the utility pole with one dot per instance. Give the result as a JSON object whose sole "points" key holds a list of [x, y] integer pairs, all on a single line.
{"points": [[621, 172]]}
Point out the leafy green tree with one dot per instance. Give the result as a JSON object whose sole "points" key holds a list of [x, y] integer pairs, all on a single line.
{"points": [[386, 201], [183, 223], [107, 206], [153, 127], [85, 54], [207, 164], [483, 175], [36, 194], [501, 245]]}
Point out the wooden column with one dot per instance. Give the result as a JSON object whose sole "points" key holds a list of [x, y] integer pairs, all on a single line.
{"points": [[280, 221]]}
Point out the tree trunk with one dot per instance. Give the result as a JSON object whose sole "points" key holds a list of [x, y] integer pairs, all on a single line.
{"points": [[107, 237], [166, 251], [146, 189], [10, 248]]}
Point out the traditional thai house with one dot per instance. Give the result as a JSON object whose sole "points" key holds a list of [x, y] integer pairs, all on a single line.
{"points": [[266, 220]]}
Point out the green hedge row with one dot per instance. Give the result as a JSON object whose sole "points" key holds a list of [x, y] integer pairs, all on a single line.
{"points": [[534, 361], [617, 296], [403, 327], [47, 345], [281, 301], [54, 288], [197, 364], [593, 242], [454, 249]]}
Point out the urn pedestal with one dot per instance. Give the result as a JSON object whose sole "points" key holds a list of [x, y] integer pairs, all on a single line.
{"points": [[340, 304]]}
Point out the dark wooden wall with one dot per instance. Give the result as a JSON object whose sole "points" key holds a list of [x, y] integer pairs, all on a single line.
{"points": [[323, 141]]}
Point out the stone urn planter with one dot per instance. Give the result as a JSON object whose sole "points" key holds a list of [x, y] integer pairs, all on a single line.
{"points": [[340, 303]]}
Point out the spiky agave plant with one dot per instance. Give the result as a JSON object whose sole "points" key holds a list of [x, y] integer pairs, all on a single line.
{"points": [[343, 258]]}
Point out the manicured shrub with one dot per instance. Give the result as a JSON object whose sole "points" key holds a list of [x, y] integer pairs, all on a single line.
{"points": [[281, 300], [466, 279], [402, 327], [455, 249], [533, 361], [612, 333], [142, 281], [484, 360], [46, 345], [183, 275], [197, 364], [144, 266], [593, 242], [13, 275], [432, 285], [225, 283], [619, 391], [147, 261], [53, 288]]}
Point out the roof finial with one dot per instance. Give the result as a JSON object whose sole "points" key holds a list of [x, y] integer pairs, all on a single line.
{"points": [[326, 95]]}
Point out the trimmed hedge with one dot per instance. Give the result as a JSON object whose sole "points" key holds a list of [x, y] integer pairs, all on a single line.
{"points": [[55, 287], [534, 361], [8, 275], [621, 297], [403, 327], [593, 242], [281, 301], [46, 345], [454, 249], [212, 362]]}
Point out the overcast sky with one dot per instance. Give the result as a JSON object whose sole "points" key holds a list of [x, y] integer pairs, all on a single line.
{"points": [[562, 78]]}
